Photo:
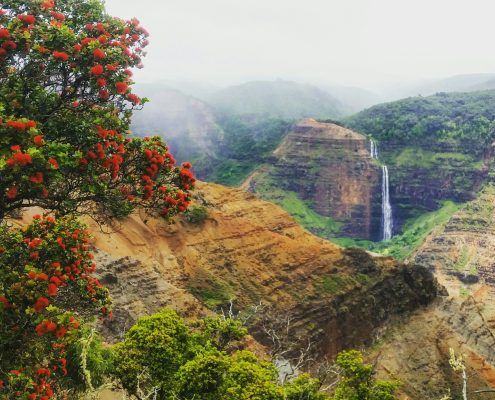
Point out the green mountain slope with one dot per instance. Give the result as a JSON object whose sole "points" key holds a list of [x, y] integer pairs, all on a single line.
{"points": [[280, 99]]}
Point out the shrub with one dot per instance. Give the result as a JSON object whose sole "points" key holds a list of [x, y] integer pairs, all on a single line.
{"points": [[197, 214], [165, 356]]}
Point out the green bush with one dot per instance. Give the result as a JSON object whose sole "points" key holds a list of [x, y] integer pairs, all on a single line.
{"points": [[162, 353], [196, 214], [357, 380]]}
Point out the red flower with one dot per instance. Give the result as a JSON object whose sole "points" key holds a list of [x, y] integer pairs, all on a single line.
{"points": [[60, 242], [47, 4], [42, 277], [134, 98], [4, 33], [9, 45], [38, 140], [97, 70], [50, 326], [30, 124], [74, 323], [121, 87], [52, 289], [148, 153], [104, 94], [27, 19], [56, 280], [44, 193], [43, 371], [12, 193], [61, 332], [53, 163], [57, 15], [77, 48], [19, 125], [99, 54], [41, 304], [101, 82], [37, 178], [22, 159], [4, 301], [61, 55]]}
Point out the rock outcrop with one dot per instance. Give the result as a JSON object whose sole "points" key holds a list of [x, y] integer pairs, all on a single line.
{"points": [[251, 251], [417, 350], [329, 167], [139, 289]]}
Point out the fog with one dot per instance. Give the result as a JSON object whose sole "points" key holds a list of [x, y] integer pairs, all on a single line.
{"points": [[365, 43]]}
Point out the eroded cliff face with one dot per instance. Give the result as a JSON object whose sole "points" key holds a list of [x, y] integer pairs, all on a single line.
{"points": [[424, 174], [417, 350], [329, 167], [251, 251]]}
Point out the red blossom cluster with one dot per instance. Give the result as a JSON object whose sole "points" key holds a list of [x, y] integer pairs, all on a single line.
{"points": [[64, 265], [57, 137]]}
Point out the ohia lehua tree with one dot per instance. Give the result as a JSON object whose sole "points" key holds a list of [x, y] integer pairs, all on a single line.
{"points": [[65, 108]]}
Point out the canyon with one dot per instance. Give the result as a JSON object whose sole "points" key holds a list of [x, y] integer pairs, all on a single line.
{"points": [[251, 252]]}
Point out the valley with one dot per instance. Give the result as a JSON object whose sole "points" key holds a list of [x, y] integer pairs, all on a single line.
{"points": [[296, 202], [417, 173]]}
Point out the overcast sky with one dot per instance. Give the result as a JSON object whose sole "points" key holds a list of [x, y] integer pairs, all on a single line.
{"points": [[349, 42]]}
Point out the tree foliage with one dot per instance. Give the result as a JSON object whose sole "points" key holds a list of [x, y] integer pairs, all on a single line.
{"points": [[357, 381], [47, 289], [162, 353], [65, 108], [462, 120]]}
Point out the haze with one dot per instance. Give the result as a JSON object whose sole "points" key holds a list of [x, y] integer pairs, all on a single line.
{"points": [[348, 42]]}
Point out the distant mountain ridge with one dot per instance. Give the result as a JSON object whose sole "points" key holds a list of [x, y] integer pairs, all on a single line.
{"points": [[280, 99], [456, 83]]}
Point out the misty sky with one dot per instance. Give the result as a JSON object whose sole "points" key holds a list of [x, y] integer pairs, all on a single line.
{"points": [[349, 42]]}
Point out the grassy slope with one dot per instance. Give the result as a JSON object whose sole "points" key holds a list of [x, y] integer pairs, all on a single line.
{"points": [[413, 234], [299, 209]]}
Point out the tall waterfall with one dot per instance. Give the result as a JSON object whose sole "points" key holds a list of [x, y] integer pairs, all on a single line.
{"points": [[387, 220], [373, 149]]}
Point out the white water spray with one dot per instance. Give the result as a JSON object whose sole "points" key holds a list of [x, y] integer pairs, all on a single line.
{"points": [[373, 149], [387, 219]]}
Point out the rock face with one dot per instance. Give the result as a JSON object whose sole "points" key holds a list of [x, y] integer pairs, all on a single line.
{"points": [[330, 168], [422, 176], [251, 251], [463, 251], [139, 289], [417, 350]]}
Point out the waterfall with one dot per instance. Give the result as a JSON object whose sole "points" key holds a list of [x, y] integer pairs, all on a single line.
{"points": [[373, 149], [387, 220]]}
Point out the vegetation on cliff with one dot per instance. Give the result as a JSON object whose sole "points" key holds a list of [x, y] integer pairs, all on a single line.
{"points": [[245, 143], [164, 357], [412, 236], [461, 119]]}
